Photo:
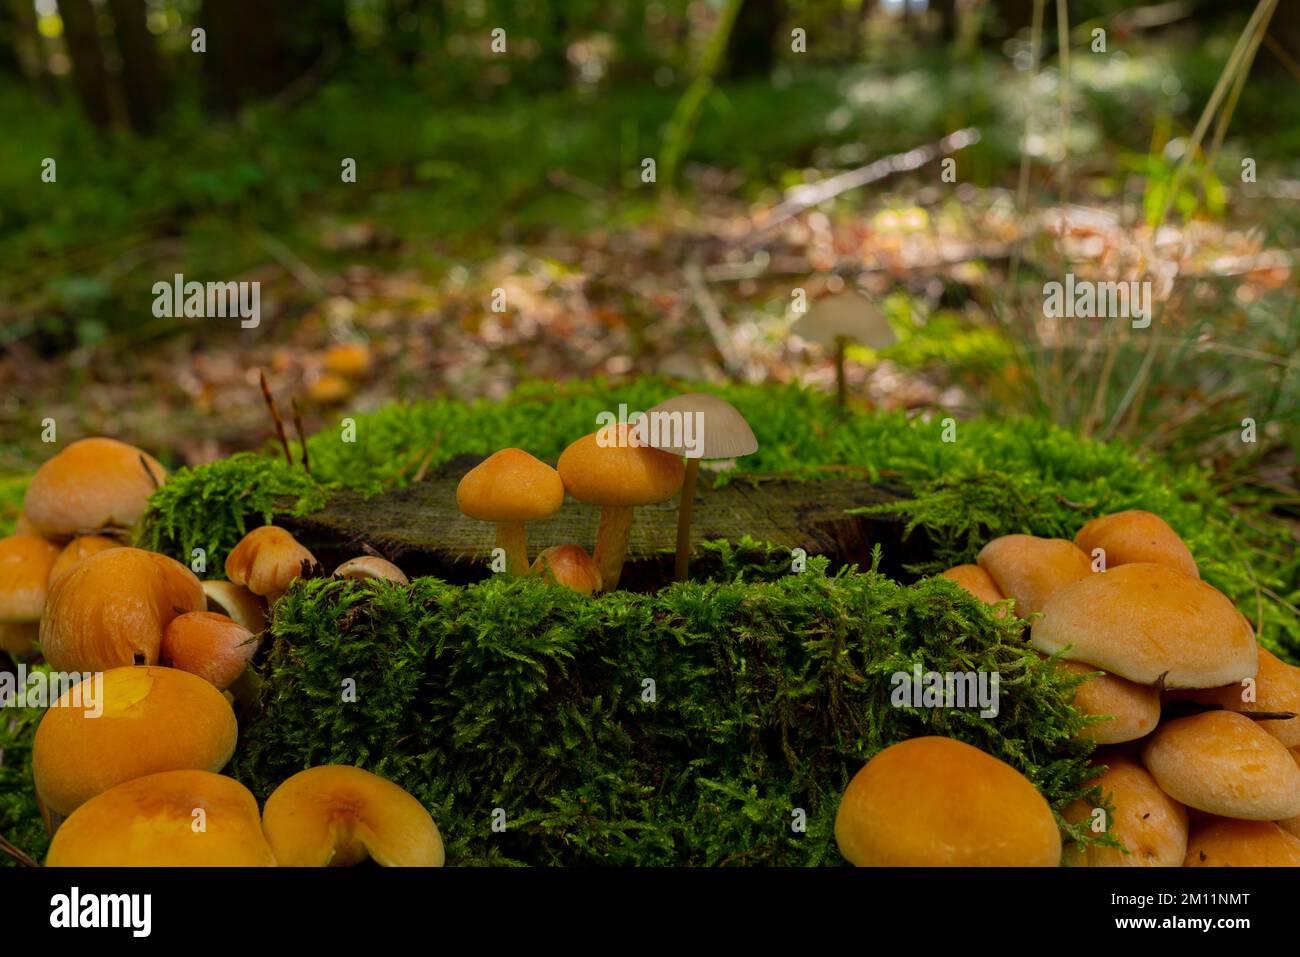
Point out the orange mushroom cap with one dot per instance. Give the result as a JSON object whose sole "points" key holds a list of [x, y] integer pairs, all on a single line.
{"points": [[143, 720], [267, 560], [170, 819], [111, 609], [92, 485], [339, 815]]}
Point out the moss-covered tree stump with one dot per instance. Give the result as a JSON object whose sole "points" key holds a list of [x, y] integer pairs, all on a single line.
{"points": [[420, 528]]}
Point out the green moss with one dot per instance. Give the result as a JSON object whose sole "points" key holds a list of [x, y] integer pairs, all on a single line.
{"points": [[770, 692], [213, 506], [20, 816], [12, 490]]}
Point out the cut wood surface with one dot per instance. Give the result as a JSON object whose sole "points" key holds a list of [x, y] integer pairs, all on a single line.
{"points": [[421, 530]]}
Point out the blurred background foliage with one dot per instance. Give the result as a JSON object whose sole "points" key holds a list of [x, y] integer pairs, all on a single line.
{"points": [[522, 169]]}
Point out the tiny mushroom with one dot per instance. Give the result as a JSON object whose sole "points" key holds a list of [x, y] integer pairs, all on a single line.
{"points": [[111, 609], [696, 426], [1149, 624], [94, 485], [212, 646], [1030, 569], [510, 487], [612, 468], [1223, 763], [938, 802], [79, 549], [568, 565], [126, 723], [25, 563], [267, 560], [150, 821], [836, 320], [1149, 824], [338, 815], [371, 566]]}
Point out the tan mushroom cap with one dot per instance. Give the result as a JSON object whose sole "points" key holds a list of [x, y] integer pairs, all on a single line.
{"points": [[620, 473], [724, 432], [568, 565], [339, 815], [510, 486], [1149, 624], [845, 315], [1223, 842], [25, 563], [937, 802], [371, 566], [1276, 688], [152, 821], [976, 581], [1031, 569], [1151, 826], [92, 485], [111, 609], [79, 549], [266, 561], [1292, 824], [1131, 710], [236, 602], [1223, 763], [1137, 537], [211, 646], [152, 719]]}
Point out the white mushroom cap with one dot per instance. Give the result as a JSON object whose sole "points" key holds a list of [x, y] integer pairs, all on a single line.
{"points": [[845, 315], [726, 434]]}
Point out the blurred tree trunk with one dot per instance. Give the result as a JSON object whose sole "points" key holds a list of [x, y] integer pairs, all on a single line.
{"points": [[141, 78], [1284, 30], [224, 60], [19, 20], [751, 51], [1015, 15], [88, 72]]}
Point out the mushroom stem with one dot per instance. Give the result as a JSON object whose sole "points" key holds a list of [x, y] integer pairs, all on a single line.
{"points": [[611, 544], [841, 391], [684, 508], [511, 537]]}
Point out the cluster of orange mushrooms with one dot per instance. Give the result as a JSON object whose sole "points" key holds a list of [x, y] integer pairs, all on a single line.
{"points": [[1198, 723], [619, 468], [126, 760]]}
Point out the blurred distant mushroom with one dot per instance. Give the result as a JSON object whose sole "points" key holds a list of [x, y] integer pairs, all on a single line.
{"points": [[835, 321], [371, 566], [25, 563], [267, 560], [351, 360], [568, 565], [618, 474], [697, 426], [510, 487]]}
